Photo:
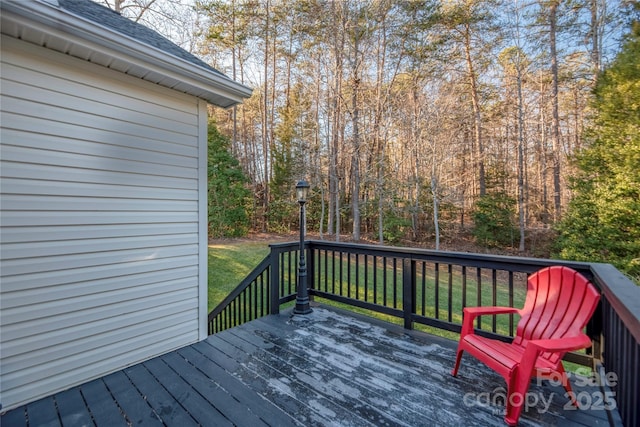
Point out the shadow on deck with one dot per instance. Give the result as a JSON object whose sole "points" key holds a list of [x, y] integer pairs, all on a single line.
{"points": [[327, 368]]}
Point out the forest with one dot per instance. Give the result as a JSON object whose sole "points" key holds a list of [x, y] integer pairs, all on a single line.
{"points": [[416, 120]]}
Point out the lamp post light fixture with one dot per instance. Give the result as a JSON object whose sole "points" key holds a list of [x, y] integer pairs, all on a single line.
{"points": [[302, 298]]}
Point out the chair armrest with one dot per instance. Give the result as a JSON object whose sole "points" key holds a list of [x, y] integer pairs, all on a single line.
{"points": [[480, 311], [470, 313], [562, 344]]}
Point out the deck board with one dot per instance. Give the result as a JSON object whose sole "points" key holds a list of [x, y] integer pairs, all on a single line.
{"points": [[185, 394], [43, 413], [132, 403], [159, 398], [72, 409], [248, 398], [102, 405], [325, 369], [230, 408], [16, 418]]}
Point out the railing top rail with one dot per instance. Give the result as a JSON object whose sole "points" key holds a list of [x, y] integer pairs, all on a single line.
{"points": [[509, 263], [621, 293], [286, 245]]}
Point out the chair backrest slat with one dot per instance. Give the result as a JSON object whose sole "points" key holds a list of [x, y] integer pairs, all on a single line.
{"points": [[559, 303]]}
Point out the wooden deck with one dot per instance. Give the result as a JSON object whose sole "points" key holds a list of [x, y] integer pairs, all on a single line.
{"points": [[324, 369]]}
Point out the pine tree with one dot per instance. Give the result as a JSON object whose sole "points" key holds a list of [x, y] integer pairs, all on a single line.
{"points": [[228, 194], [603, 219]]}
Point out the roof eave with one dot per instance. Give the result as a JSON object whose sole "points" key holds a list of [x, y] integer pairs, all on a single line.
{"points": [[40, 23]]}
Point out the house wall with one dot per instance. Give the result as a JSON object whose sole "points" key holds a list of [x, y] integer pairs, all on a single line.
{"points": [[103, 211]]}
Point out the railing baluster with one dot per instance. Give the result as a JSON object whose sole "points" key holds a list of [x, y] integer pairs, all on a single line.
{"points": [[450, 293], [291, 269], [246, 296], [256, 300], [384, 281], [511, 302], [366, 277], [258, 293], [424, 287], [326, 271], [464, 286], [479, 295], [340, 272], [333, 272], [395, 282], [348, 275], [357, 276], [282, 276], [436, 272], [375, 279], [494, 297], [234, 314]]}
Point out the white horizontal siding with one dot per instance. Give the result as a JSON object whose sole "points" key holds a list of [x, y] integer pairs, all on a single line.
{"points": [[34, 156], [100, 220], [29, 57]]}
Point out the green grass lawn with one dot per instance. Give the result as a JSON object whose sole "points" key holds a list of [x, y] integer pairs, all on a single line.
{"points": [[229, 263]]}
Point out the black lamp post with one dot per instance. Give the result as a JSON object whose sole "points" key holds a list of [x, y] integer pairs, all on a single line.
{"points": [[302, 299]]}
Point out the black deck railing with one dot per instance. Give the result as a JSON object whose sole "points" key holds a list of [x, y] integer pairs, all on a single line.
{"points": [[250, 300], [430, 288]]}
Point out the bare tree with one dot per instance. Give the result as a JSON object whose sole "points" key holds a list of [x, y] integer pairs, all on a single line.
{"points": [[514, 59], [555, 124], [174, 19]]}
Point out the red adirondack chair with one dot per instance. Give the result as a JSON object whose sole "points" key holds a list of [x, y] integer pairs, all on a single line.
{"points": [[559, 303]]}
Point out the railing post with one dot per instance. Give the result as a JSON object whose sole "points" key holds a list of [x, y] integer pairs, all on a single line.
{"points": [[408, 291], [311, 269], [274, 282]]}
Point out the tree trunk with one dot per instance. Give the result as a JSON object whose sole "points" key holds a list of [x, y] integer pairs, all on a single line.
{"points": [[477, 115], [355, 163], [434, 193], [595, 39], [234, 112], [555, 131], [336, 131], [521, 200], [265, 133]]}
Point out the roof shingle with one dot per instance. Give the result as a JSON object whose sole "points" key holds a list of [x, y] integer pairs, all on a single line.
{"points": [[106, 17]]}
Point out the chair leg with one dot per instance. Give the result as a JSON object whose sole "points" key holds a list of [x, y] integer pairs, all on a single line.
{"points": [[517, 387], [454, 372], [567, 386], [514, 404]]}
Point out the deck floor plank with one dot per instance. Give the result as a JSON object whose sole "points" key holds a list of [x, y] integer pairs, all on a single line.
{"points": [[43, 413], [16, 417], [206, 358], [218, 397], [199, 408], [163, 403], [72, 409], [133, 404], [101, 404]]}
